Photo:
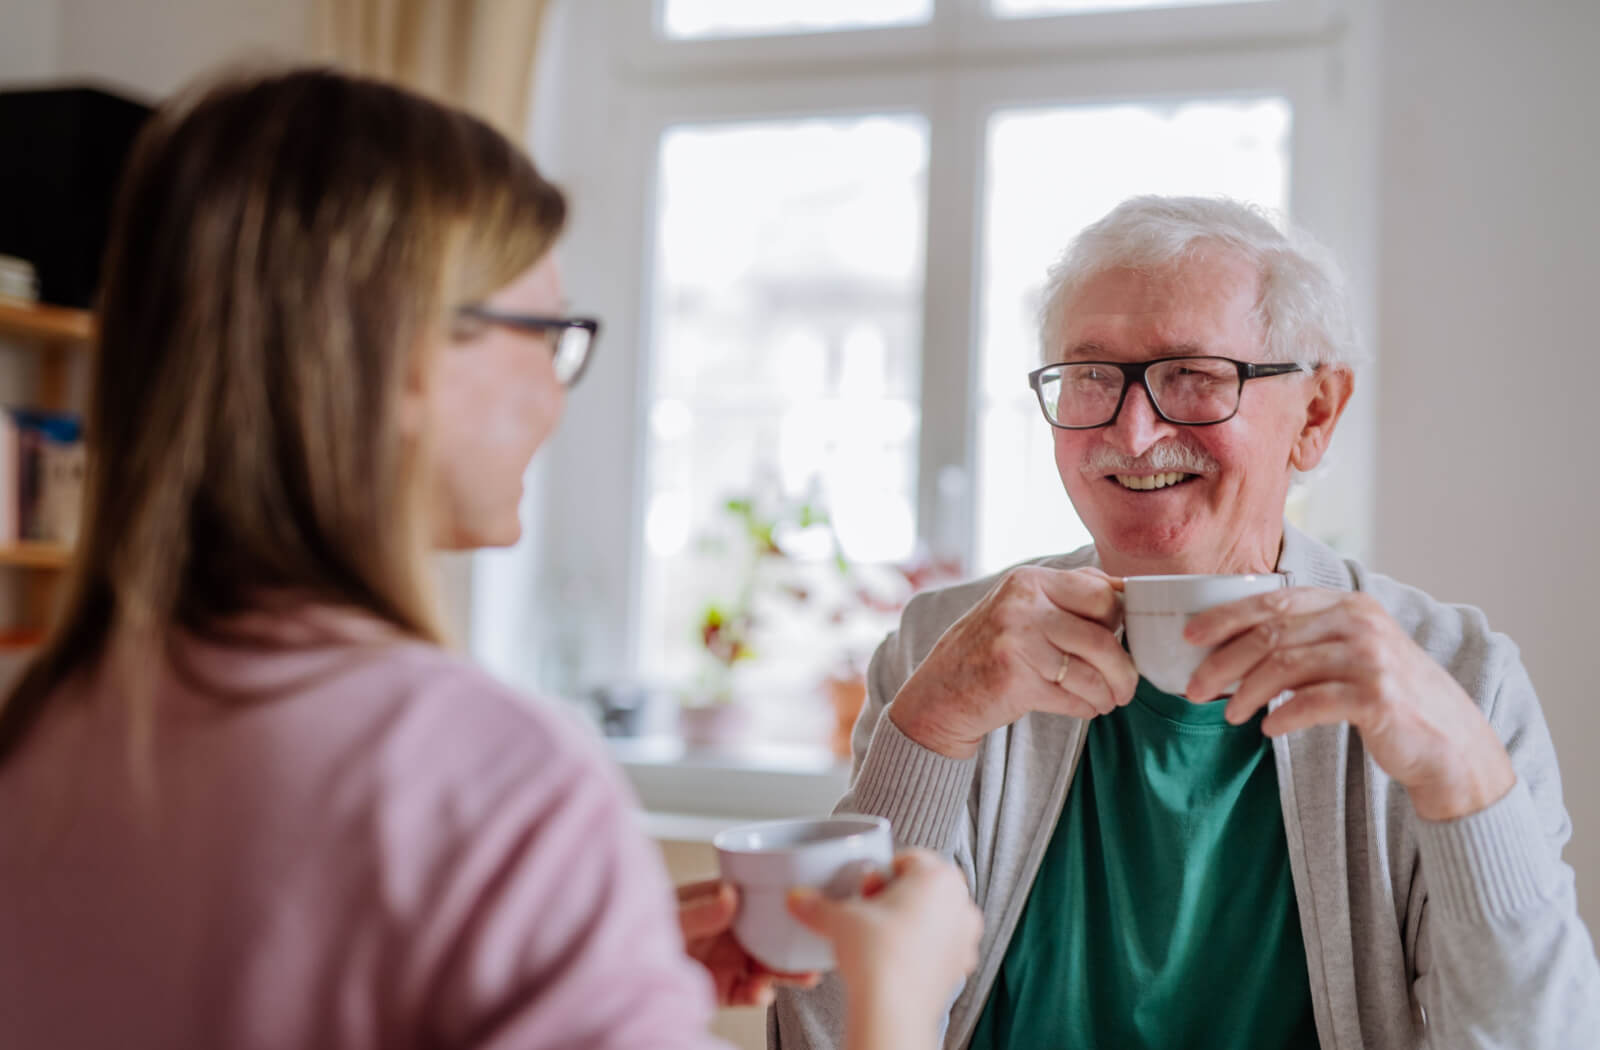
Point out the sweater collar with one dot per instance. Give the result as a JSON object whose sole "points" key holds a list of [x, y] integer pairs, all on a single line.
{"points": [[1309, 563]]}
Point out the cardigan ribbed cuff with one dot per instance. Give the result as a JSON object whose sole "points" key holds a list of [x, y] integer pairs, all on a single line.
{"points": [[1488, 865], [921, 792]]}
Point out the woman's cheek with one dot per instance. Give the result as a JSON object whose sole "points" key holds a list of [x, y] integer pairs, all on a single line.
{"points": [[543, 402]]}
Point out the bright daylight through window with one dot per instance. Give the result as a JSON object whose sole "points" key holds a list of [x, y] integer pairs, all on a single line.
{"points": [[688, 19], [1033, 8], [1049, 173], [849, 209], [786, 352]]}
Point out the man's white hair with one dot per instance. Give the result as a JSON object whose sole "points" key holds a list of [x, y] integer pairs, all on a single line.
{"points": [[1302, 304]]}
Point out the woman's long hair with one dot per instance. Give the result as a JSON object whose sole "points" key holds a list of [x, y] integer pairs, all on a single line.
{"points": [[285, 254]]}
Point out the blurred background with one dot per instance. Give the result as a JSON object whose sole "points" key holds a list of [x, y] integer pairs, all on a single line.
{"points": [[816, 231]]}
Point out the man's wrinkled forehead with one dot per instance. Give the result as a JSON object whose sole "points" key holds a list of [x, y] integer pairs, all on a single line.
{"points": [[1204, 306]]}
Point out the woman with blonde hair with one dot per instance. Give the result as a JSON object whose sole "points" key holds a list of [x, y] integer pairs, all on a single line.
{"points": [[248, 797]]}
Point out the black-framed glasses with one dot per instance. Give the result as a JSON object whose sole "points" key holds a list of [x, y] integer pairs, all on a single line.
{"points": [[1194, 391], [572, 338]]}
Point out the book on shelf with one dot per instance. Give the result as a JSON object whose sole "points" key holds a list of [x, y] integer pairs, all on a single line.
{"points": [[42, 463]]}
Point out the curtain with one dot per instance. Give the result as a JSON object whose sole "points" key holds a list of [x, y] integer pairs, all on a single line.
{"points": [[477, 54]]}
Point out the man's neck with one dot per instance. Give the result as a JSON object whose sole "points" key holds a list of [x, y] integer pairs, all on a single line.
{"points": [[1230, 561]]}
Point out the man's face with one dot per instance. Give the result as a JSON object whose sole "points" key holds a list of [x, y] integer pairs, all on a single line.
{"points": [[1226, 513]]}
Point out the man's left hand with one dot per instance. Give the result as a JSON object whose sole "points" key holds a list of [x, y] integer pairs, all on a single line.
{"points": [[705, 914], [1345, 659]]}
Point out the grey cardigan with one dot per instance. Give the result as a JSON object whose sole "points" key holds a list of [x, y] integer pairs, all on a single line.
{"points": [[1451, 935]]}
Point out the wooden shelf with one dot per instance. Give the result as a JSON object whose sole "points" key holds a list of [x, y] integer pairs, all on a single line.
{"points": [[35, 556], [20, 641], [39, 323], [61, 338]]}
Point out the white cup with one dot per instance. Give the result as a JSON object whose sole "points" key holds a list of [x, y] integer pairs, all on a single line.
{"points": [[832, 855], [1157, 608]]}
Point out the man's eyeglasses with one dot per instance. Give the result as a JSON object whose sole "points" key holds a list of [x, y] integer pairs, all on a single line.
{"points": [[572, 338], [1191, 391]]}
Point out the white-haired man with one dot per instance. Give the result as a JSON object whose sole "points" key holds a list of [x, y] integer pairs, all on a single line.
{"points": [[1361, 848]]}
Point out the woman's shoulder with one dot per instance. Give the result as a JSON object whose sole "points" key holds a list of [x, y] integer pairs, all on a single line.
{"points": [[443, 717], [479, 835], [438, 680], [434, 772], [531, 892], [347, 674], [391, 727]]}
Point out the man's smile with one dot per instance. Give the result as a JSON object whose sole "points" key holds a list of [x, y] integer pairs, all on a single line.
{"points": [[1150, 482]]}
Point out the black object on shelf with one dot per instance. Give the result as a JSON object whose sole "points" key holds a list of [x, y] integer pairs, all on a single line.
{"points": [[62, 151]]}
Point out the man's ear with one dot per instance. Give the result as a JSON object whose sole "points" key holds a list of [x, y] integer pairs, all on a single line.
{"points": [[1331, 387]]}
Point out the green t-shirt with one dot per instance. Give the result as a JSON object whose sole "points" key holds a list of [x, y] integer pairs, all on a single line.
{"points": [[1163, 915]]}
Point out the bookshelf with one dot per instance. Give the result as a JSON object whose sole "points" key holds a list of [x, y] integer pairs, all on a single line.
{"points": [[57, 333], [34, 556], [50, 326], [58, 337]]}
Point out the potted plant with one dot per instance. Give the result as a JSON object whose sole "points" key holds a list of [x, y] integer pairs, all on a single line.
{"points": [[708, 717], [876, 600], [800, 601]]}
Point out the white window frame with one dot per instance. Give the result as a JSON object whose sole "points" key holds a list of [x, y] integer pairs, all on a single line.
{"points": [[618, 89], [961, 28]]}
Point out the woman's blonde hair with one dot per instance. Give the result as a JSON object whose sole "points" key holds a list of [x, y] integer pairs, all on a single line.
{"points": [[286, 252]]}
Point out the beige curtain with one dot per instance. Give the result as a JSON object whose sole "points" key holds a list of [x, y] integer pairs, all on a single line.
{"points": [[477, 54]]}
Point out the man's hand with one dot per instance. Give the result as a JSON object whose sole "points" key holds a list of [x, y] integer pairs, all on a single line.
{"points": [[1347, 660], [705, 914], [1042, 640]]}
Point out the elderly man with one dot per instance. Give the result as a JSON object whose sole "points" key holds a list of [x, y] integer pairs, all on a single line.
{"points": [[1360, 848]]}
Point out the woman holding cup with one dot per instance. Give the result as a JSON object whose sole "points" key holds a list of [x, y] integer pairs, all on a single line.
{"points": [[250, 799]]}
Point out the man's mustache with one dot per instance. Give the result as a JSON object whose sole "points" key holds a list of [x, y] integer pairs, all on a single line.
{"points": [[1167, 457]]}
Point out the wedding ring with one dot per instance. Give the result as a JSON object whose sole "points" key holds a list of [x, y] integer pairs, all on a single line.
{"points": [[1061, 672]]}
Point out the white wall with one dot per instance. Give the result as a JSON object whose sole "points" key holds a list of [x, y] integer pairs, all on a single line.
{"points": [[28, 30], [155, 46], [1490, 264], [148, 48]]}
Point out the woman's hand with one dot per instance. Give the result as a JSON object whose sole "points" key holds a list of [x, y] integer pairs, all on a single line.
{"points": [[903, 948], [705, 914]]}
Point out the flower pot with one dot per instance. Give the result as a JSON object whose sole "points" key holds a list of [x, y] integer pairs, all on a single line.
{"points": [[712, 727], [846, 695]]}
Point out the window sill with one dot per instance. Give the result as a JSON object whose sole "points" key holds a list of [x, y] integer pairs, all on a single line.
{"points": [[688, 796]]}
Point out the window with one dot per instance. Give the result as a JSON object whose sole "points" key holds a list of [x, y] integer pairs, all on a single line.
{"points": [[691, 19], [1049, 173], [787, 327], [1034, 8], [818, 232]]}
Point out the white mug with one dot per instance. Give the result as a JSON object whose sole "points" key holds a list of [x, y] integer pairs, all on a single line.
{"points": [[1157, 608], [832, 855]]}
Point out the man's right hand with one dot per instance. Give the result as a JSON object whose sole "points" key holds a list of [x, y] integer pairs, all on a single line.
{"points": [[1004, 658]]}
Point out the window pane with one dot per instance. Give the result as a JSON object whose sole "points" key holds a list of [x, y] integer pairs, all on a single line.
{"points": [[1034, 8], [1051, 172], [689, 19], [787, 306]]}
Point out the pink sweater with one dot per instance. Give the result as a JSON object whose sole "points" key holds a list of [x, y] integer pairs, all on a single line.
{"points": [[387, 849]]}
